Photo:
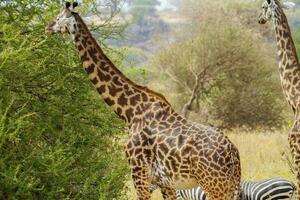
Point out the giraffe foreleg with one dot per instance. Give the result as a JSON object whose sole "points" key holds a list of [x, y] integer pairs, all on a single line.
{"points": [[168, 193], [139, 158], [294, 142], [141, 182]]}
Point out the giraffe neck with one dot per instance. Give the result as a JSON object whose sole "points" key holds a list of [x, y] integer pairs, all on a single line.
{"points": [[126, 98], [286, 48]]}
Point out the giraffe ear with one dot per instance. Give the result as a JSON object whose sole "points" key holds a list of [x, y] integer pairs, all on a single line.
{"points": [[288, 5]]}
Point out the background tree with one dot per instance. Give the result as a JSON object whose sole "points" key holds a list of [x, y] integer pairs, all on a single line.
{"points": [[225, 70], [142, 9], [58, 140], [145, 25]]}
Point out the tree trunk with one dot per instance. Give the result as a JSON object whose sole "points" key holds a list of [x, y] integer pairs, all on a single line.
{"points": [[188, 106]]}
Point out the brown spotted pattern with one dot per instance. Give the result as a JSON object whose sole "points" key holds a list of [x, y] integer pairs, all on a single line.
{"points": [[163, 148], [289, 69]]}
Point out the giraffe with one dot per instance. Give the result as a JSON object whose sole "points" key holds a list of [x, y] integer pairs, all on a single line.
{"points": [[289, 70], [163, 148]]}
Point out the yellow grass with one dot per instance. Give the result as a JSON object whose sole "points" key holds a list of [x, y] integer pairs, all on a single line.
{"points": [[263, 155]]}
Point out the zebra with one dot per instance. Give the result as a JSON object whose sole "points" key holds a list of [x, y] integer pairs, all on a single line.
{"points": [[270, 189]]}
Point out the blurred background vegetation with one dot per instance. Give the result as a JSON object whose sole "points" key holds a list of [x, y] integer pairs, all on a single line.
{"points": [[211, 59]]}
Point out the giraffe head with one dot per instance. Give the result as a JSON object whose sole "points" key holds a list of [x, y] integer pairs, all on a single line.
{"points": [[64, 20], [269, 8]]}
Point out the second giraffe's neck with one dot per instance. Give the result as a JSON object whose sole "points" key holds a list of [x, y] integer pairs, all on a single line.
{"points": [[285, 44], [122, 95]]}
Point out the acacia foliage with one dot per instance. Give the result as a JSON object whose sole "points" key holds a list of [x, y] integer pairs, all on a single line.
{"points": [[58, 140]]}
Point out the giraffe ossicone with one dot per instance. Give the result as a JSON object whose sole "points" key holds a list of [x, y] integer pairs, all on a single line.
{"points": [[163, 148]]}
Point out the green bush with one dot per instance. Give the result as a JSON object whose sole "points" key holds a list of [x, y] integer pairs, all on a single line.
{"points": [[58, 140]]}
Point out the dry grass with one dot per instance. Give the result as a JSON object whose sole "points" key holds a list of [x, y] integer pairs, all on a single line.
{"points": [[263, 155]]}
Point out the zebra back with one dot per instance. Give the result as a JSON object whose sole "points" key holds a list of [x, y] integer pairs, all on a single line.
{"points": [[271, 189], [191, 194]]}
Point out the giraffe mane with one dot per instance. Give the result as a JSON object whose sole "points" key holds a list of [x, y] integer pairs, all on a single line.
{"points": [[285, 20], [139, 87]]}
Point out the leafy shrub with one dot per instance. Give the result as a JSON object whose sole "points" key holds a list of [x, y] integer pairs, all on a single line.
{"points": [[58, 140]]}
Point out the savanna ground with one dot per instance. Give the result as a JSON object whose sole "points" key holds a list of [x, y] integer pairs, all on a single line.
{"points": [[264, 154]]}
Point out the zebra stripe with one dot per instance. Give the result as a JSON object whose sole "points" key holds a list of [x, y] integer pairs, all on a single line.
{"points": [[192, 194], [271, 189]]}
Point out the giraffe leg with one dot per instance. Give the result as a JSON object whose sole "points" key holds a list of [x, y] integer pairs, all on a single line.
{"points": [[221, 196], [141, 182], [168, 193], [220, 192], [294, 142]]}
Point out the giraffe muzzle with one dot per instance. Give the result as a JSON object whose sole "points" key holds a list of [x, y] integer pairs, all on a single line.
{"points": [[262, 21]]}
